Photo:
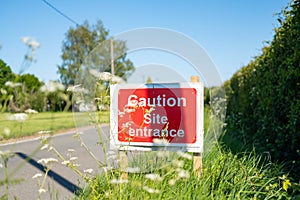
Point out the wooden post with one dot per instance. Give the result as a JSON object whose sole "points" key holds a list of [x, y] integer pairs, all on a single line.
{"points": [[197, 164], [123, 165], [197, 156], [112, 57]]}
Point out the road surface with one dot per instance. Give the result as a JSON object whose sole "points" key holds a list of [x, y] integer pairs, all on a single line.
{"points": [[61, 182]]}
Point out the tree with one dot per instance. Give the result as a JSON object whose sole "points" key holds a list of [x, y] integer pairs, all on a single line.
{"points": [[5, 73], [79, 43], [32, 82], [25, 93]]}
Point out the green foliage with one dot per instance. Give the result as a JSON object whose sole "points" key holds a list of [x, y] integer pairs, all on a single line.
{"points": [[26, 94], [80, 42], [225, 176], [264, 98], [32, 82], [5, 73], [19, 92]]}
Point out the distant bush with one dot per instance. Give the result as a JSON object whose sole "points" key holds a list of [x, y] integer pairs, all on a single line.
{"points": [[264, 97]]}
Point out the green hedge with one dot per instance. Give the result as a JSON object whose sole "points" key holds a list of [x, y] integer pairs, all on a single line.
{"points": [[263, 108]]}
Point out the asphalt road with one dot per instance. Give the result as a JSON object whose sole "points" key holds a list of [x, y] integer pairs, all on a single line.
{"points": [[61, 182]]}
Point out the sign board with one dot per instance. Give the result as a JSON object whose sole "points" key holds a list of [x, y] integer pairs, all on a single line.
{"points": [[146, 117]]}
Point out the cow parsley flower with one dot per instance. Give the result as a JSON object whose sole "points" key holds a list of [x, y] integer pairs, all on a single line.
{"points": [[20, 117], [153, 177], [37, 175], [31, 111], [185, 155], [47, 161], [118, 181], [151, 190], [88, 171], [41, 190], [46, 146], [183, 173], [6, 131], [133, 169]]}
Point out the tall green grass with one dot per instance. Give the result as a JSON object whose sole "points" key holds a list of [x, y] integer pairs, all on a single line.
{"points": [[225, 176], [169, 175]]}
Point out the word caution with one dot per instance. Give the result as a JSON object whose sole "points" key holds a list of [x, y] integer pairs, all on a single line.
{"points": [[164, 113]]}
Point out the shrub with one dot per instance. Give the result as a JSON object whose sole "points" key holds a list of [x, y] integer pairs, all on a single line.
{"points": [[264, 97]]}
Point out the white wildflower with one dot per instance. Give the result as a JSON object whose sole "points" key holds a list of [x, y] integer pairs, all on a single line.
{"points": [[133, 169], [1, 166], [31, 111], [117, 79], [73, 88], [127, 125], [172, 182], [20, 117], [151, 109], [160, 141], [37, 175], [73, 158], [183, 173], [7, 131], [105, 76], [88, 171], [153, 177], [65, 162], [46, 161], [31, 42], [25, 39], [3, 91], [151, 190], [44, 132], [121, 114], [107, 169], [12, 85], [118, 181], [178, 163], [3, 153], [41, 190], [77, 89], [185, 155], [9, 84], [129, 110], [46, 146], [52, 86]]}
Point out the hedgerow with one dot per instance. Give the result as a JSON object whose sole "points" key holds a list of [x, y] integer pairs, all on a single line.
{"points": [[263, 97]]}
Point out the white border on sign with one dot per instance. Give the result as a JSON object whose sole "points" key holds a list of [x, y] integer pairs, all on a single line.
{"points": [[149, 146]]}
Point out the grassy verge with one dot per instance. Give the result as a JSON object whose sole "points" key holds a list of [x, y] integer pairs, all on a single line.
{"points": [[48, 121], [225, 176], [169, 175]]}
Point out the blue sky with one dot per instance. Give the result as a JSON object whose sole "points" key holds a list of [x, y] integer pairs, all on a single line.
{"points": [[231, 31]]}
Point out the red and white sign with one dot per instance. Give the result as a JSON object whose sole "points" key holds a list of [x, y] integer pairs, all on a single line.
{"points": [[144, 115]]}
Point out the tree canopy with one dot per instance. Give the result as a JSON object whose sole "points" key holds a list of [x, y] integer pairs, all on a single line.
{"points": [[79, 43], [5, 73]]}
